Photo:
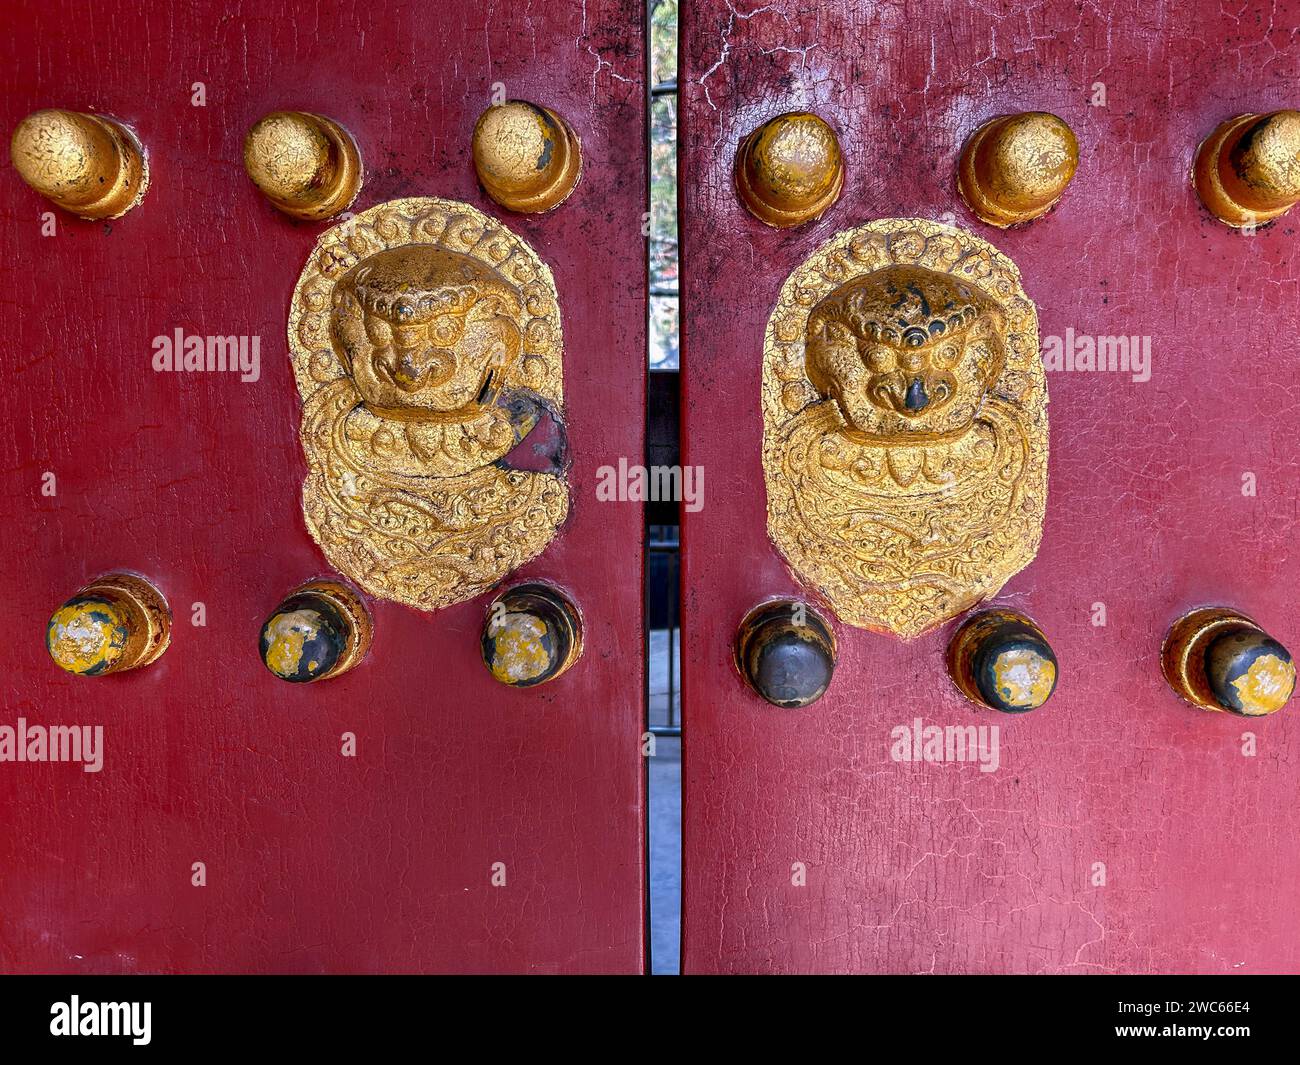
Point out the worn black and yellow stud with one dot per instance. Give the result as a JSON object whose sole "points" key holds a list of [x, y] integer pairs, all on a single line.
{"points": [[785, 651], [116, 622], [321, 630], [1002, 660], [1219, 659], [528, 158], [532, 634]]}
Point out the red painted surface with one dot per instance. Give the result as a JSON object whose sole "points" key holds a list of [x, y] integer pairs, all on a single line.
{"points": [[942, 868], [315, 862]]}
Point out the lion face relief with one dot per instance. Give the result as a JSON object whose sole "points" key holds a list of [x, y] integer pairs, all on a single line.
{"points": [[905, 352], [428, 351], [427, 334], [904, 424]]}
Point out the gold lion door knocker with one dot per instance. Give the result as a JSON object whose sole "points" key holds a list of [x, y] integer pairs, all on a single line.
{"points": [[905, 424], [426, 345]]}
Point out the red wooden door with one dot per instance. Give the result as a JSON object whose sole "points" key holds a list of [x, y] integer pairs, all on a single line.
{"points": [[916, 867], [314, 861]]}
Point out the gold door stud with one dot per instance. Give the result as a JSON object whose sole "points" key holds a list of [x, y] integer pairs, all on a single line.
{"points": [[1015, 168], [307, 165], [87, 164], [528, 159], [790, 170], [1248, 170]]}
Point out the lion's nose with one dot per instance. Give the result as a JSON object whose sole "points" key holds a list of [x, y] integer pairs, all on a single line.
{"points": [[414, 368], [916, 399]]}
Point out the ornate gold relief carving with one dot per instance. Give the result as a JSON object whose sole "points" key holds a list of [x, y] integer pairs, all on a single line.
{"points": [[904, 424], [426, 345]]}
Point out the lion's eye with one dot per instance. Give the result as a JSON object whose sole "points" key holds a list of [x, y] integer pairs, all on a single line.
{"points": [[446, 329], [945, 356], [378, 331], [880, 360]]}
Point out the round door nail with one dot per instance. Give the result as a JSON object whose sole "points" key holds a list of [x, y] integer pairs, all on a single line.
{"points": [[87, 164], [320, 630], [1248, 170], [116, 622], [532, 634], [790, 170], [1002, 660], [1015, 168], [307, 165], [1219, 659], [527, 157], [785, 651]]}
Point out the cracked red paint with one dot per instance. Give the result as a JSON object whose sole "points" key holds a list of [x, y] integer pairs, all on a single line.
{"points": [[942, 868], [315, 862]]}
